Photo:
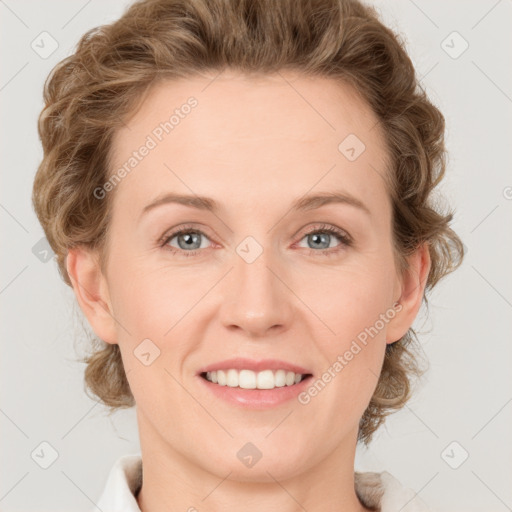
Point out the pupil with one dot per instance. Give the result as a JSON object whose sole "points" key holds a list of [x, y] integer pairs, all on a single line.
{"points": [[190, 239], [317, 238]]}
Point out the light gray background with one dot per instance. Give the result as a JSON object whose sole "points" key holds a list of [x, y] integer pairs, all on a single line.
{"points": [[465, 396]]}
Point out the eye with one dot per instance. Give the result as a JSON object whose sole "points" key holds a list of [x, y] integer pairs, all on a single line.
{"points": [[188, 240], [322, 236]]}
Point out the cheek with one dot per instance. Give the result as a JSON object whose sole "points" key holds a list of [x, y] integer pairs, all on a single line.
{"points": [[150, 301], [159, 311], [352, 358], [357, 310], [353, 300], [155, 308]]}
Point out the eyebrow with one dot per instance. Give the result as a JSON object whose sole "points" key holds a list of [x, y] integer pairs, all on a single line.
{"points": [[304, 203]]}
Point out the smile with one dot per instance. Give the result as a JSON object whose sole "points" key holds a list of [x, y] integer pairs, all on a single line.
{"points": [[248, 379]]}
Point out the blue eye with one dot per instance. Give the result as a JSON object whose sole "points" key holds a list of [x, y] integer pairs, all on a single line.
{"points": [[189, 240], [325, 232]]}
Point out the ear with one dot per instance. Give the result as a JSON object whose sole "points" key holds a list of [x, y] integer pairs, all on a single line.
{"points": [[91, 291], [411, 289]]}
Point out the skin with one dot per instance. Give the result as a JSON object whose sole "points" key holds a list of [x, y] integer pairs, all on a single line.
{"points": [[253, 145]]}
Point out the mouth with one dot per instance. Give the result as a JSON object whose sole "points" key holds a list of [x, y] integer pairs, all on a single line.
{"points": [[254, 384], [249, 379]]}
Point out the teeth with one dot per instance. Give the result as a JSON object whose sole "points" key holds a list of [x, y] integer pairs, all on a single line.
{"points": [[247, 379]]}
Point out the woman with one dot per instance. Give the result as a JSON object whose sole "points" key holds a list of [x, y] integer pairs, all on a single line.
{"points": [[195, 153]]}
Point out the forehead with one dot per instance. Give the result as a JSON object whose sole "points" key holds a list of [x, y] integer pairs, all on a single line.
{"points": [[262, 133]]}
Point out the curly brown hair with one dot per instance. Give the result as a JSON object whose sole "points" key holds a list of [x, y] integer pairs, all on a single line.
{"points": [[93, 92]]}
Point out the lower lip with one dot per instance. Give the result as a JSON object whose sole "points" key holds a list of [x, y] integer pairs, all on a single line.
{"points": [[257, 398]]}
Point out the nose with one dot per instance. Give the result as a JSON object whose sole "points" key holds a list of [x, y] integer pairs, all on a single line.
{"points": [[257, 297]]}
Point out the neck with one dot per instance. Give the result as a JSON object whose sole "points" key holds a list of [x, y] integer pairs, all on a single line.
{"points": [[176, 480]]}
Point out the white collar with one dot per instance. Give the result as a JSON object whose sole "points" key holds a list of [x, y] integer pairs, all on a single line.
{"points": [[373, 489]]}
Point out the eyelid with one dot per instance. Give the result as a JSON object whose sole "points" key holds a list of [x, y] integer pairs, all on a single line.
{"points": [[178, 229], [345, 239], [329, 228]]}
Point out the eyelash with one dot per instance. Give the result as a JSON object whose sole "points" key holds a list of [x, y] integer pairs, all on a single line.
{"points": [[344, 238]]}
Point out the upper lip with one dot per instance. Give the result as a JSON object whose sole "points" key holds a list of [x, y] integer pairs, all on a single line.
{"points": [[241, 363]]}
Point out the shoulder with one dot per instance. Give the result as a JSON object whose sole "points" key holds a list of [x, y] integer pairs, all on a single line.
{"points": [[123, 483], [383, 492]]}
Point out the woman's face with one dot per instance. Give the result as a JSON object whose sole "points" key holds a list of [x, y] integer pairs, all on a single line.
{"points": [[255, 277]]}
